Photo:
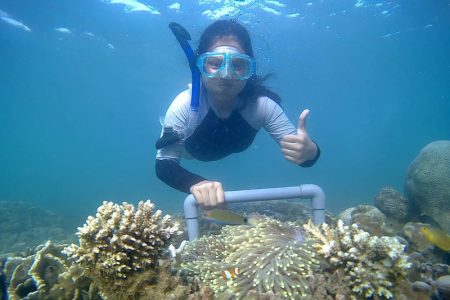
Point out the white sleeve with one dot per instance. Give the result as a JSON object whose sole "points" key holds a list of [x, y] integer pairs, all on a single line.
{"points": [[276, 123], [177, 117]]}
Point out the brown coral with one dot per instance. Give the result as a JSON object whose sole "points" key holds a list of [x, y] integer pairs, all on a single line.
{"points": [[120, 247], [392, 203]]}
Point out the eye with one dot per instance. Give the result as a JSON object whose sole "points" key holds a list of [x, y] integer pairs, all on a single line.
{"points": [[214, 62], [239, 64]]}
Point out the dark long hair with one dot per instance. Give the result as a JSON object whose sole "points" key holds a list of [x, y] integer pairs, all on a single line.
{"points": [[222, 28]]}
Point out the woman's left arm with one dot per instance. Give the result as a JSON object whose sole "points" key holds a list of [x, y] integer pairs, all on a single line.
{"points": [[295, 143], [299, 148]]}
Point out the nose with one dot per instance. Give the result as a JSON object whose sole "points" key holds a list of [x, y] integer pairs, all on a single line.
{"points": [[226, 72]]}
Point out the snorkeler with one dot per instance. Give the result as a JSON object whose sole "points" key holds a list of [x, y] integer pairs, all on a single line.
{"points": [[222, 114]]}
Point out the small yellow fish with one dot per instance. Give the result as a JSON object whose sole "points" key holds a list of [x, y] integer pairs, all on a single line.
{"points": [[436, 236], [230, 273], [223, 216]]}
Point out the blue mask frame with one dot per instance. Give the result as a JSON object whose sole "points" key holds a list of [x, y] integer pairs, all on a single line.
{"points": [[227, 64]]}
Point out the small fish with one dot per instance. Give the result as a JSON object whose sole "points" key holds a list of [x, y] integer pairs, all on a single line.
{"points": [[230, 273], [223, 216], [436, 236]]}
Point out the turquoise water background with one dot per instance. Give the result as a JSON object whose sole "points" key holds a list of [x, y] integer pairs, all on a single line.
{"points": [[79, 110]]}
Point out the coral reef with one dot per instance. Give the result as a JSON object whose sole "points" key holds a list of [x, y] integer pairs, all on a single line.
{"points": [[49, 274], [392, 203], [282, 210], [368, 218], [46, 274], [272, 258], [119, 248], [369, 265], [23, 225], [427, 185]]}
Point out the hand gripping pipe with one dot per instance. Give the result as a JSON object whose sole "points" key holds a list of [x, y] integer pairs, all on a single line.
{"points": [[304, 191]]}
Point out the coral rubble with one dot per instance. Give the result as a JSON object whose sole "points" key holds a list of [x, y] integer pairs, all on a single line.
{"points": [[120, 247]]}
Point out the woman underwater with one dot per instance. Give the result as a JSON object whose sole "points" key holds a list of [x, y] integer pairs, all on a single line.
{"points": [[233, 106]]}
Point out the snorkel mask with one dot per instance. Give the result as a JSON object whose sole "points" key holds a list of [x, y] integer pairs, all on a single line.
{"points": [[226, 62]]}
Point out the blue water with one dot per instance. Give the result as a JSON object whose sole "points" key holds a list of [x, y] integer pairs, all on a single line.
{"points": [[79, 111]]}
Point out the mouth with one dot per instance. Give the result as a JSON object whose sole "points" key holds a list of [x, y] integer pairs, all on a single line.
{"points": [[226, 83]]}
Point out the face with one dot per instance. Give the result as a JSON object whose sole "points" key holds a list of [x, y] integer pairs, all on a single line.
{"points": [[224, 86]]}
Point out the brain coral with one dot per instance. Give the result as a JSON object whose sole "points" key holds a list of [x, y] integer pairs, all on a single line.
{"points": [[427, 184], [392, 203]]}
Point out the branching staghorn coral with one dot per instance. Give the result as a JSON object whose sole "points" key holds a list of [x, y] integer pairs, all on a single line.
{"points": [[271, 256], [120, 244], [371, 264]]}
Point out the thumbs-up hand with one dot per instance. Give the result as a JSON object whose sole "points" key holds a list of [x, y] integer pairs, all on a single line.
{"points": [[298, 148]]}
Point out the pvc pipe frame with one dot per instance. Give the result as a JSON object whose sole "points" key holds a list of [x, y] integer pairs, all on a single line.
{"points": [[304, 191]]}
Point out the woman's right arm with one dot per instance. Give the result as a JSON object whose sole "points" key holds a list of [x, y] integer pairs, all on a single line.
{"points": [[171, 173], [207, 193], [168, 169]]}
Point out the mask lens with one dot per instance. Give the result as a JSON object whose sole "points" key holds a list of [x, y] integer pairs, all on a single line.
{"points": [[242, 66], [213, 63]]}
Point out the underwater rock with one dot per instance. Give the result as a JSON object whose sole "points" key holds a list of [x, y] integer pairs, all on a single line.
{"points": [[392, 203], [420, 286], [370, 219], [443, 286], [427, 183], [346, 216]]}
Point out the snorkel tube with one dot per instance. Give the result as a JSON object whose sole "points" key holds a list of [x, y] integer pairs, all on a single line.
{"points": [[183, 36], [170, 136]]}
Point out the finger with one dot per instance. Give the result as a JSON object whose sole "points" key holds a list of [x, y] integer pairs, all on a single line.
{"points": [[290, 138], [301, 127], [220, 194], [294, 160], [292, 142], [291, 146], [198, 196], [291, 153], [212, 199]]}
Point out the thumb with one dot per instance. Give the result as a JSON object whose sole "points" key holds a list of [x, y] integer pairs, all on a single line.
{"points": [[301, 127]]}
